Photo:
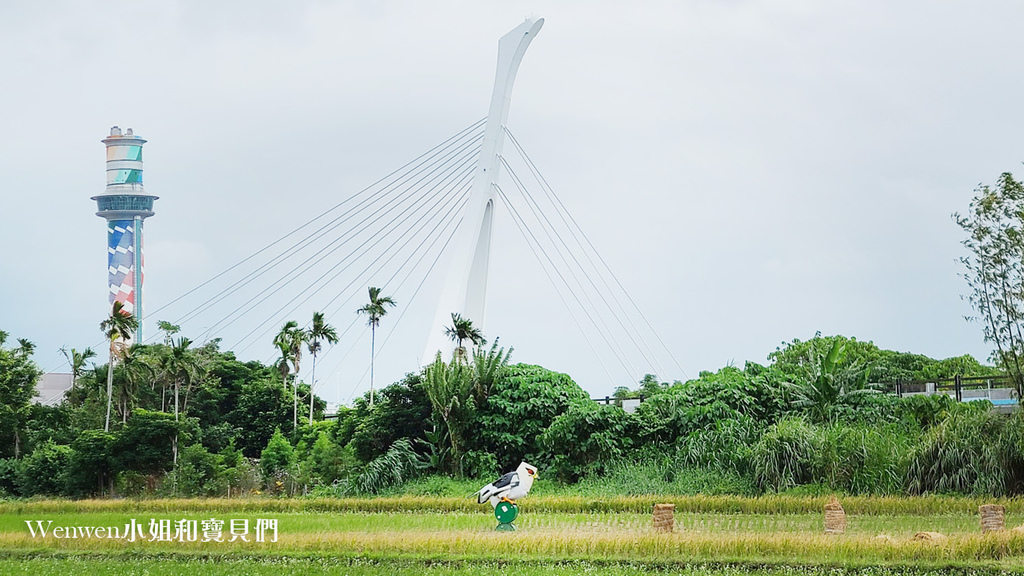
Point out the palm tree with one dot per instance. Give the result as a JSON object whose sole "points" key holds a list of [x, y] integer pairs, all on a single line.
{"points": [[118, 328], [134, 369], [77, 361], [289, 341], [181, 366], [320, 330], [463, 329], [374, 311]]}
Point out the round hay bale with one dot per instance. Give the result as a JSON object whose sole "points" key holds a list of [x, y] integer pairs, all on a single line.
{"points": [[835, 517], [930, 536], [664, 517], [993, 517]]}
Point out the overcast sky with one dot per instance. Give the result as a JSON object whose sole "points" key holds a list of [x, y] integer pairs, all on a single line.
{"points": [[752, 172]]}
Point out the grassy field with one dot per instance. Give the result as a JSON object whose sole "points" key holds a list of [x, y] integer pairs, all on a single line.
{"points": [[557, 535]]}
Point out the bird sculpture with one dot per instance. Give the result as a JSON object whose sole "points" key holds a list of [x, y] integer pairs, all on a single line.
{"points": [[509, 487]]}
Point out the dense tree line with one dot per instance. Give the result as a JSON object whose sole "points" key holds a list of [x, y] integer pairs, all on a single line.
{"points": [[194, 420]]}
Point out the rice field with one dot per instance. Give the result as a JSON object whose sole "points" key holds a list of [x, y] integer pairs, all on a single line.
{"points": [[442, 536]]}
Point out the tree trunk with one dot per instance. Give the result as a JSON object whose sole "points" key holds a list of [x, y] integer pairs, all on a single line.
{"points": [[373, 349], [312, 382], [110, 390]]}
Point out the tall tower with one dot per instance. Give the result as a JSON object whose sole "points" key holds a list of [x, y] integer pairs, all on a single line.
{"points": [[465, 290], [125, 205]]}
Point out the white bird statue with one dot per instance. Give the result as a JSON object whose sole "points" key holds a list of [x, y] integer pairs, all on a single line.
{"points": [[509, 487]]}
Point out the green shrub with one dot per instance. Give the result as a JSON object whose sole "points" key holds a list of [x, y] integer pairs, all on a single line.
{"points": [[862, 459], [278, 455], [399, 464], [784, 456], [198, 473], [962, 454], [586, 438], [44, 470], [9, 469], [727, 447]]}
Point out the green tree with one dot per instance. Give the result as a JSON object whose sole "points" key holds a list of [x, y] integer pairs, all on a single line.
{"points": [[146, 442], [289, 342], [318, 330], [402, 412], [374, 311], [77, 361], [277, 458], [520, 406], [179, 364], [118, 328], [91, 464], [994, 269], [825, 382], [18, 377], [449, 385], [44, 470], [586, 438], [463, 329], [134, 370]]}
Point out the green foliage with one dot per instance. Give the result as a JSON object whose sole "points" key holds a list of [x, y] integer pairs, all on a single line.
{"points": [[585, 439], [994, 269], [91, 464], [278, 456], [9, 471], [925, 410], [327, 462], [972, 451], [399, 464], [263, 406], [655, 474], [521, 404], [964, 365], [18, 377], [784, 456], [43, 471], [198, 473], [825, 381], [145, 443], [861, 459], [401, 411], [726, 447]]}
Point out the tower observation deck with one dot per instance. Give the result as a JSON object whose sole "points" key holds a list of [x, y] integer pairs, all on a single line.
{"points": [[125, 204]]}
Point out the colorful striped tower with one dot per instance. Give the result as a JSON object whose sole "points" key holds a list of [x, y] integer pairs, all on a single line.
{"points": [[125, 205]]}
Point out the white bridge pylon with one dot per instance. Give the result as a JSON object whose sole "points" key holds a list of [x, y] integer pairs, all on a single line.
{"points": [[465, 288]]}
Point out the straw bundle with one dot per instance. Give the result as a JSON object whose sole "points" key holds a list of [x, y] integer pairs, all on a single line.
{"points": [[664, 517], [835, 517], [993, 517]]}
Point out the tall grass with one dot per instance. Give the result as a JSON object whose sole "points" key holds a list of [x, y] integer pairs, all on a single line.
{"points": [[1005, 549], [711, 504]]}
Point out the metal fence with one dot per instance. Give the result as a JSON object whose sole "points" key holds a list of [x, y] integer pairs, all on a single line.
{"points": [[999, 390]]}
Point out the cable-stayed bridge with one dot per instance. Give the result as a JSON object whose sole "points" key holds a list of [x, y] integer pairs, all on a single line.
{"points": [[423, 235]]}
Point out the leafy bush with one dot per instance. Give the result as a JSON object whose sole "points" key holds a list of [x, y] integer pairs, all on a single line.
{"points": [[278, 455], [9, 469], [586, 438], [965, 454], [43, 471], [784, 456], [198, 473], [862, 459], [727, 447], [520, 404], [91, 465], [399, 464]]}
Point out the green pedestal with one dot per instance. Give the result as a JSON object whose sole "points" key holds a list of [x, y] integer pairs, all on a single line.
{"points": [[506, 513]]}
